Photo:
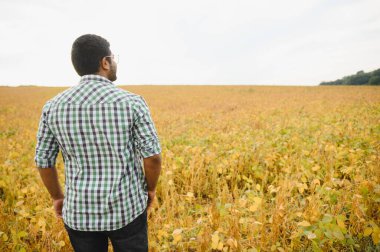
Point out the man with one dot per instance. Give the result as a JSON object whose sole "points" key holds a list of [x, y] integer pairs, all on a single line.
{"points": [[105, 135]]}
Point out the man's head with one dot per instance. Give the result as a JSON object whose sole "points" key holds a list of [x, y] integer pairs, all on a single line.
{"points": [[91, 54]]}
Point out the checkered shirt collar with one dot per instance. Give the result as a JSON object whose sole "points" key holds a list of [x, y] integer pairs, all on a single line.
{"points": [[94, 78]]}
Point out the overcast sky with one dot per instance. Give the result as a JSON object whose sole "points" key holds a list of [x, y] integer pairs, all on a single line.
{"points": [[293, 42]]}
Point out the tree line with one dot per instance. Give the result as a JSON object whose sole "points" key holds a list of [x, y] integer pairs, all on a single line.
{"points": [[360, 78]]}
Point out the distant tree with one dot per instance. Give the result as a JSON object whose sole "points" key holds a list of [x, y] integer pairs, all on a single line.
{"points": [[376, 72], [375, 80], [360, 78]]}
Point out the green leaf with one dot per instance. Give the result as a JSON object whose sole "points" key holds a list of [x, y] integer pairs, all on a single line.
{"points": [[328, 234], [338, 234], [327, 218]]}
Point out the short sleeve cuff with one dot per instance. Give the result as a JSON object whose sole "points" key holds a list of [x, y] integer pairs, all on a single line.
{"points": [[151, 148], [44, 163]]}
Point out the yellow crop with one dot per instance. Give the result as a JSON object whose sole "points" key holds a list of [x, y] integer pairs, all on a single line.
{"points": [[245, 168]]}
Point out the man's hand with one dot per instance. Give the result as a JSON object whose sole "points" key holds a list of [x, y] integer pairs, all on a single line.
{"points": [[58, 204], [151, 196]]}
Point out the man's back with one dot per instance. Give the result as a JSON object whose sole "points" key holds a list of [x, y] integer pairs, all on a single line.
{"points": [[103, 133]]}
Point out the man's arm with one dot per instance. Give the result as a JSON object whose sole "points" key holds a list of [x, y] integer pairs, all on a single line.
{"points": [[47, 149], [50, 179], [152, 168], [147, 142]]}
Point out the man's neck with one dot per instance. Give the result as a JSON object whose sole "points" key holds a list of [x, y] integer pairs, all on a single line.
{"points": [[103, 74]]}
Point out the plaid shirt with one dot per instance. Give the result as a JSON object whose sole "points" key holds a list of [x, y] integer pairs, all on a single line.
{"points": [[103, 133]]}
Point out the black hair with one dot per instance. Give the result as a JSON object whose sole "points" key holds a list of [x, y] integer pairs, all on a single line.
{"points": [[87, 52]]}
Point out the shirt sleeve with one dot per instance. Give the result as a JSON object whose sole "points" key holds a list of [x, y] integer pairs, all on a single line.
{"points": [[144, 131], [47, 147]]}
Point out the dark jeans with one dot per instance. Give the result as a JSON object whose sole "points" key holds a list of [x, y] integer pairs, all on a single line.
{"points": [[132, 237]]}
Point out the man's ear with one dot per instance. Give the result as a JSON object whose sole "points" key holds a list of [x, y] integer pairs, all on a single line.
{"points": [[105, 64]]}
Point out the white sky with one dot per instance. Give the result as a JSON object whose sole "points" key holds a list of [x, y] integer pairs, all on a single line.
{"points": [[293, 42]]}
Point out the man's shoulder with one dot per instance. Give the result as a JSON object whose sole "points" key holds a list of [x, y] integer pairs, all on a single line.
{"points": [[54, 100], [129, 96], [60, 96], [126, 93]]}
